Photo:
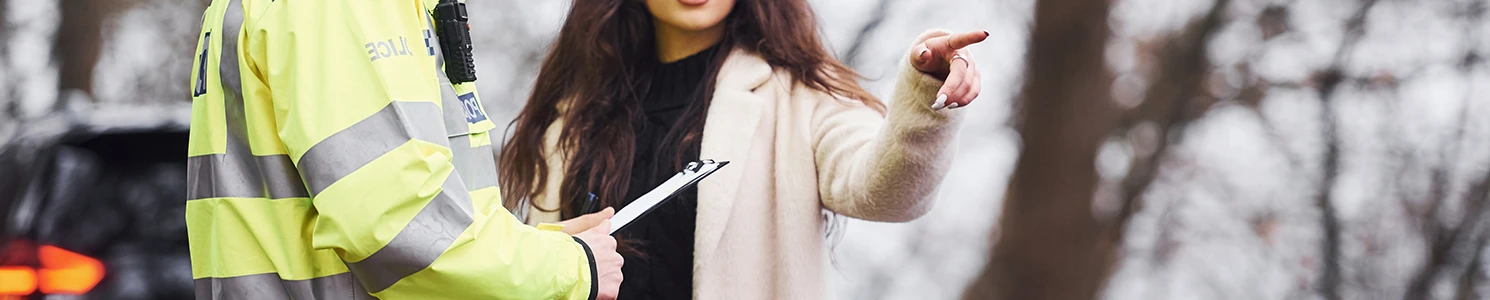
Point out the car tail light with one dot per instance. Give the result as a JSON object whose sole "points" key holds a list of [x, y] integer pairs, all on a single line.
{"points": [[26, 268], [65, 272], [17, 281]]}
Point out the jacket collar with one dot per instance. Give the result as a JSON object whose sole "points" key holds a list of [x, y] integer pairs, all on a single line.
{"points": [[734, 116]]}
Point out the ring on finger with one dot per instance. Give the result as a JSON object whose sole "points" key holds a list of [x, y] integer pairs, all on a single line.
{"points": [[959, 56]]}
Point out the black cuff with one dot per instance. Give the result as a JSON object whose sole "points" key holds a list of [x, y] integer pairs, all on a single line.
{"points": [[594, 274]]}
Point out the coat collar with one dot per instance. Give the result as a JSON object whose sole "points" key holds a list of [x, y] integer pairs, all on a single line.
{"points": [[734, 116], [742, 71]]}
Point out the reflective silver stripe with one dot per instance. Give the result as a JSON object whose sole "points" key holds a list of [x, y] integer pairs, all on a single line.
{"points": [[483, 172], [280, 177], [232, 85], [270, 287], [348, 150], [477, 166], [222, 175], [238, 173], [227, 69], [460, 196], [420, 242], [214, 176], [455, 111]]}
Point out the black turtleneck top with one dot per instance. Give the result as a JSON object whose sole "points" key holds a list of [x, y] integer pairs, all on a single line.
{"points": [[662, 265]]}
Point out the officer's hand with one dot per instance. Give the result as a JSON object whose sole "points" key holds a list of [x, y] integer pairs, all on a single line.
{"points": [[576, 225], [607, 261]]}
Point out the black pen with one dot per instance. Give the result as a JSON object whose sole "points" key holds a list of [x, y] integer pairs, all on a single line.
{"points": [[589, 207]]}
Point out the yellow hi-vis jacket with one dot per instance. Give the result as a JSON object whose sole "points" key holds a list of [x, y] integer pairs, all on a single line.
{"points": [[329, 158]]}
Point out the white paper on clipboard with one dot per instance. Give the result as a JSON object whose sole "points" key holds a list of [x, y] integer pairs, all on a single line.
{"points": [[690, 175]]}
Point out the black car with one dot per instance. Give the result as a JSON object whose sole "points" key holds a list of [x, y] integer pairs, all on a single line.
{"points": [[93, 205]]}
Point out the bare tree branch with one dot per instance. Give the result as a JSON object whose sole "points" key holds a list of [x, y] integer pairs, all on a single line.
{"points": [[1171, 104], [1470, 279], [1329, 221], [1443, 245], [1440, 237]]}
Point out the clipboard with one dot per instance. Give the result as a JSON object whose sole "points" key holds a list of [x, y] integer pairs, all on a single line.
{"points": [[690, 175]]}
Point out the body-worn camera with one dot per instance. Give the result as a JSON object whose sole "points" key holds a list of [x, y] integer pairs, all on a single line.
{"points": [[454, 29]]}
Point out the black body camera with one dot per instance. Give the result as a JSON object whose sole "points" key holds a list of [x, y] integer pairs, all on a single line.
{"points": [[454, 29]]}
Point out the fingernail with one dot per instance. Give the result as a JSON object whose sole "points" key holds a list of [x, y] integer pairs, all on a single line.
{"points": [[951, 106], [941, 101], [922, 55], [985, 33]]}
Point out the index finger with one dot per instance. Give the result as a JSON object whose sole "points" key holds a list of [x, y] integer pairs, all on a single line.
{"points": [[962, 40]]}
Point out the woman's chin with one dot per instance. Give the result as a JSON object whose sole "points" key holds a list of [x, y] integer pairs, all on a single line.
{"points": [[699, 22]]}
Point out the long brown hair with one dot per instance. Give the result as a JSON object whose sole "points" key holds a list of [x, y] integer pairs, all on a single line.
{"points": [[600, 68]]}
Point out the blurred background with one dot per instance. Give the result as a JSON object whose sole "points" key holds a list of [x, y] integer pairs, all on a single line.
{"points": [[1129, 149]]}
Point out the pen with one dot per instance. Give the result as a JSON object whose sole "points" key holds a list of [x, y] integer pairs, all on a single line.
{"points": [[589, 206]]}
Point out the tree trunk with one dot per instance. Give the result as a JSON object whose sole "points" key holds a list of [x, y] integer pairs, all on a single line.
{"points": [[1049, 243], [79, 42]]}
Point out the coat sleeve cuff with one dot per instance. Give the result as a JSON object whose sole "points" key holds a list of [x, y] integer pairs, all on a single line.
{"points": [[594, 274], [910, 107], [916, 91]]}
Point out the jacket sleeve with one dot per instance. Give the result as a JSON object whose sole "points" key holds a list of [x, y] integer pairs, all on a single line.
{"points": [[885, 167], [367, 136]]}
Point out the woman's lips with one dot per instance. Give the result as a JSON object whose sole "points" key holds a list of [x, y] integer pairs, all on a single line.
{"points": [[693, 2]]}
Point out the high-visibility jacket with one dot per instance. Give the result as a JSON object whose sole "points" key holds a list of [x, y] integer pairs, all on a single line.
{"points": [[329, 158]]}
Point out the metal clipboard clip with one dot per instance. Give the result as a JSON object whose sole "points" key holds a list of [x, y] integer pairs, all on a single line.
{"points": [[691, 174]]}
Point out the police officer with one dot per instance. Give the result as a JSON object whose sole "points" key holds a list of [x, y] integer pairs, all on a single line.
{"points": [[331, 157]]}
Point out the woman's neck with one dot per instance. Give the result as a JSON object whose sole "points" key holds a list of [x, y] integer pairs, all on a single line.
{"points": [[674, 43]]}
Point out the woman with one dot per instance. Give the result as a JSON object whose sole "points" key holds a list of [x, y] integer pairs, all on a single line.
{"points": [[634, 89]]}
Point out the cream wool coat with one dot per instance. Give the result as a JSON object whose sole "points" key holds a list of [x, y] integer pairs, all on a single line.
{"points": [[794, 151]]}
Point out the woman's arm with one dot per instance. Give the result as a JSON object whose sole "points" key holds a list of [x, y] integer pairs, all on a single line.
{"points": [[887, 168]]}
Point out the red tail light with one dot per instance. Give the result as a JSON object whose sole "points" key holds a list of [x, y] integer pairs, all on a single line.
{"points": [[48, 269], [66, 272]]}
